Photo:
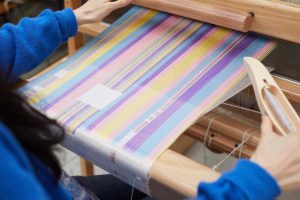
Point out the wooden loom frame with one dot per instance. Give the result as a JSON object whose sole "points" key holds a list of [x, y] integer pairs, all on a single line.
{"points": [[181, 175]]}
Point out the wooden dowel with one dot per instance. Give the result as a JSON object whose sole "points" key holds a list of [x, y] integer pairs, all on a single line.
{"points": [[219, 143], [233, 129]]}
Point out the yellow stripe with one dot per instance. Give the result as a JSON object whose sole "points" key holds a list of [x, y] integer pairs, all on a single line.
{"points": [[100, 52], [78, 120], [102, 39], [153, 62], [141, 57], [232, 84], [161, 82], [66, 113]]}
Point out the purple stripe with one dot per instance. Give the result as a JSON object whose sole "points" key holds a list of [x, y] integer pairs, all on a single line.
{"points": [[107, 62], [67, 109], [48, 81], [155, 53], [146, 132], [156, 73], [75, 115], [75, 64], [124, 67]]}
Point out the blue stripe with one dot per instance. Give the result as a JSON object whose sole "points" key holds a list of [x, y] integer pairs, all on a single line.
{"points": [[102, 60], [198, 98]]}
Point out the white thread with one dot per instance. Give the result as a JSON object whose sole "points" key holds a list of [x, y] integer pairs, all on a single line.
{"points": [[243, 139], [206, 136], [210, 140], [132, 189], [234, 150], [208, 128], [133, 186]]}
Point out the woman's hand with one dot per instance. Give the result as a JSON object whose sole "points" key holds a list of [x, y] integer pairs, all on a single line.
{"points": [[279, 155], [95, 10]]}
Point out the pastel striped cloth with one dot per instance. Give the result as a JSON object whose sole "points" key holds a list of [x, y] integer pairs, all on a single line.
{"points": [[134, 89]]}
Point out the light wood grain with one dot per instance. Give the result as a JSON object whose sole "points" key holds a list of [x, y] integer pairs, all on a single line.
{"points": [[226, 131], [183, 144], [215, 14], [87, 168], [179, 175], [93, 29], [274, 18], [262, 81], [290, 88], [77, 41], [2, 8], [218, 142]]}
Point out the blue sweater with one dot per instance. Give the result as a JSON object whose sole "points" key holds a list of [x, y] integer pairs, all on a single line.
{"points": [[26, 45]]}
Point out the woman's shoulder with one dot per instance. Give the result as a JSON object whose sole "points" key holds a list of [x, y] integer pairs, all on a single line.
{"points": [[16, 170]]}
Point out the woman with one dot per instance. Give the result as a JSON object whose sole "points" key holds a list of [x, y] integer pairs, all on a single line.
{"points": [[29, 168]]}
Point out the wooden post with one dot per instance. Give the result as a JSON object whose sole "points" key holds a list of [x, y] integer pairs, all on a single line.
{"points": [[87, 168], [76, 42]]}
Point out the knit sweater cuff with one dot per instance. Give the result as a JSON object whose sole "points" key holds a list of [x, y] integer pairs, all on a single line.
{"points": [[67, 23], [247, 175]]}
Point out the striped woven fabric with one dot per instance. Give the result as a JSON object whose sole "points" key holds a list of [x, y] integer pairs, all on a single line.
{"points": [[140, 84]]}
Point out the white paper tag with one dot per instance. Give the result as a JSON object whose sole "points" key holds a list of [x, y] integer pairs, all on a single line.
{"points": [[37, 88], [100, 96], [61, 73]]}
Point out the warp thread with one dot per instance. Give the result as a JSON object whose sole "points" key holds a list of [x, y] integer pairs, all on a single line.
{"points": [[133, 186], [246, 137], [207, 136]]}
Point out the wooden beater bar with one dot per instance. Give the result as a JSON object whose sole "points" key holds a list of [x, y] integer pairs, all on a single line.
{"points": [[214, 14], [271, 17]]}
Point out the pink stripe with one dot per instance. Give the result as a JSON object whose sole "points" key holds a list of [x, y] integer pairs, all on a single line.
{"points": [[178, 79], [96, 47], [115, 65], [130, 55], [180, 127], [168, 140]]}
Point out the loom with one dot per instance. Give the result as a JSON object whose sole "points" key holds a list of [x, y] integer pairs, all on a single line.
{"points": [[173, 175]]}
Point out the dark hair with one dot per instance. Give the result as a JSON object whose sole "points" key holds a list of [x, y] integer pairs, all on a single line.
{"points": [[36, 133]]}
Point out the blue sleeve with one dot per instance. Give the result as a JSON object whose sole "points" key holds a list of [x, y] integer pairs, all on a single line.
{"points": [[17, 180], [247, 181], [26, 45]]}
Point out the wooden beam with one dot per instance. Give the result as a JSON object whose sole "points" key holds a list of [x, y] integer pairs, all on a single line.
{"points": [[93, 29], [87, 168], [183, 144], [290, 88], [214, 14], [271, 17], [174, 176]]}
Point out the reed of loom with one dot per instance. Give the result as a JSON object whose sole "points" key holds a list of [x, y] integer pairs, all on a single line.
{"points": [[174, 176]]}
